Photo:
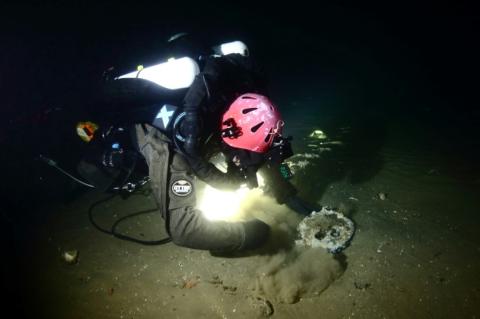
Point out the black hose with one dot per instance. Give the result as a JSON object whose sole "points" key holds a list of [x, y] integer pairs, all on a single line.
{"points": [[113, 232]]}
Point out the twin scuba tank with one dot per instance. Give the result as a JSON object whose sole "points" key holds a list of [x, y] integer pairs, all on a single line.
{"points": [[174, 77]]}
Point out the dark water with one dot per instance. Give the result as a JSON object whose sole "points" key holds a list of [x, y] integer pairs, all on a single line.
{"points": [[397, 86]]}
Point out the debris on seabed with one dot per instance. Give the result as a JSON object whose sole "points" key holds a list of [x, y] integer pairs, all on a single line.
{"points": [[382, 196], [190, 282], [263, 306], [70, 257], [318, 134]]}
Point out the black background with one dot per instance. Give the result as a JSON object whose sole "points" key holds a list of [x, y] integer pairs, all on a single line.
{"points": [[399, 59]]}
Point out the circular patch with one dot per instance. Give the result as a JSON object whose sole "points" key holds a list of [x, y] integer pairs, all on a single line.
{"points": [[182, 188], [328, 229]]}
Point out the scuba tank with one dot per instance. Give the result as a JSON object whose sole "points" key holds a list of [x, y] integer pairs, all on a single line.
{"points": [[156, 94], [169, 82], [148, 95], [173, 74]]}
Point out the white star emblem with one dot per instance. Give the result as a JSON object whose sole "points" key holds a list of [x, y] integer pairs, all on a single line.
{"points": [[165, 115]]}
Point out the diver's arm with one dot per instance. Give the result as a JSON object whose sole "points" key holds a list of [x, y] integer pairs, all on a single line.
{"points": [[301, 206], [211, 175], [284, 192], [197, 95], [277, 185]]}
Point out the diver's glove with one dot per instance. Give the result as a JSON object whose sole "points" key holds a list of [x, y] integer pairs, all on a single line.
{"points": [[244, 175], [245, 164], [250, 177], [301, 207]]}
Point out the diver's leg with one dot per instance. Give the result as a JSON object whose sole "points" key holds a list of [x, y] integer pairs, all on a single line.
{"points": [[154, 148], [189, 228], [186, 225]]}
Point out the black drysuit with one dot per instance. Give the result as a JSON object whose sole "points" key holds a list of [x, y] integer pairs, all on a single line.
{"points": [[213, 90]]}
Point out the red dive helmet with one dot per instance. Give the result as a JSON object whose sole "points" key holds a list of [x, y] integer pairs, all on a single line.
{"points": [[251, 123]]}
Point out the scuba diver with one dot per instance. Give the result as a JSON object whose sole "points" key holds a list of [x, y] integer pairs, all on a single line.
{"points": [[177, 115]]}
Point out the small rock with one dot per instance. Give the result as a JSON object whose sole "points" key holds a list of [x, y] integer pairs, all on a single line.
{"points": [[362, 285], [190, 283], [263, 306], [230, 289], [382, 196], [215, 280], [70, 257], [268, 308]]}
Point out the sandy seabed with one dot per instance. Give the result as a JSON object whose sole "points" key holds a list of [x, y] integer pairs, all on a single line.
{"points": [[414, 255]]}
